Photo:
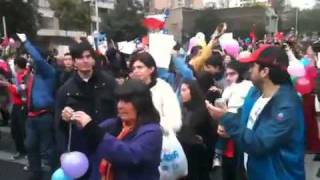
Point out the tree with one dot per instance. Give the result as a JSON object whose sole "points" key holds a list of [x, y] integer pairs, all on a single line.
{"points": [[125, 21], [307, 21], [72, 14], [20, 17]]}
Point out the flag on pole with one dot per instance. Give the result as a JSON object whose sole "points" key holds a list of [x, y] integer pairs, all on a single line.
{"points": [[154, 22]]}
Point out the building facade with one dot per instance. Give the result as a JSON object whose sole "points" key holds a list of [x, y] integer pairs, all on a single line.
{"points": [[156, 5], [219, 4]]}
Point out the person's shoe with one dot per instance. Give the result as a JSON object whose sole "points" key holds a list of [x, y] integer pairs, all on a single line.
{"points": [[316, 157], [18, 156], [26, 168], [217, 161]]}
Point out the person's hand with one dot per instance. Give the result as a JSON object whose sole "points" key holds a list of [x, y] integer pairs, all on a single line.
{"points": [[81, 118], [67, 113], [222, 132], [4, 83], [174, 52], [215, 89], [215, 112], [22, 37], [219, 31]]}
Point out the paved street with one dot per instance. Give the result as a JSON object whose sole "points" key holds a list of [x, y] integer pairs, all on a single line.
{"points": [[13, 170]]}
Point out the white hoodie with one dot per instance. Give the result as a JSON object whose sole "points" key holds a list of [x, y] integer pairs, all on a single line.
{"points": [[167, 104]]}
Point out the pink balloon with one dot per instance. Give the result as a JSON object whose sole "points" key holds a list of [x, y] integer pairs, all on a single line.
{"points": [[193, 42], [296, 69], [311, 72], [231, 47], [304, 85]]}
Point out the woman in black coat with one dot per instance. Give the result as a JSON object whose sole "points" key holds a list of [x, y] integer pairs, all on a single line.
{"points": [[198, 132]]}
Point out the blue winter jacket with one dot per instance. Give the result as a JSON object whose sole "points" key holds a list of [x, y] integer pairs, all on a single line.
{"points": [[275, 145], [42, 90], [135, 157]]}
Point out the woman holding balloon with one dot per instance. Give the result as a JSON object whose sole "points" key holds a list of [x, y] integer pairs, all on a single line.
{"points": [[128, 147]]}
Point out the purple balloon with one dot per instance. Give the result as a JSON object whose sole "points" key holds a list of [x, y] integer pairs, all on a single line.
{"points": [[74, 164]]}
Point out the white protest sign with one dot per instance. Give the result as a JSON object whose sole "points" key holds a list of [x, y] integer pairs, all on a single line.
{"points": [[160, 47], [126, 47]]}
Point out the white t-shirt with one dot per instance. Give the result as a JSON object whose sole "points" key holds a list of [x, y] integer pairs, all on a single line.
{"points": [[254, 114]]}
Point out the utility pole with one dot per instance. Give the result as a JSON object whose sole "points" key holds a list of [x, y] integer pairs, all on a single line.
{"points": [[297, 20], [4, 26], [97, 15]]}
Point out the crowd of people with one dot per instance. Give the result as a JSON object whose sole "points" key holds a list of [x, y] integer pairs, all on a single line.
{"points": [[240, 112]]}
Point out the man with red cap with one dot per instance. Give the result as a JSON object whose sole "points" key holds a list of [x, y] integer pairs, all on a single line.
{"points": [[269, 128]]}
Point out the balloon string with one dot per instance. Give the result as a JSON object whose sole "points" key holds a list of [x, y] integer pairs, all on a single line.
{"points": [[69, 138]]}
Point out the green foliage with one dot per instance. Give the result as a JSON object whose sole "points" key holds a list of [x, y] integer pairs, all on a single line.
{"points": [[125, 22], [72, 14], [20, 17], [308, 21]]}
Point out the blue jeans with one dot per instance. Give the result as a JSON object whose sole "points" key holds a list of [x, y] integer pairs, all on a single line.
{"points": [[40, 140], [221, 145]]}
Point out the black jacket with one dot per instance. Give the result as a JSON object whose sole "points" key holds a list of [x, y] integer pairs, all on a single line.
{"points": [[95, 97]]}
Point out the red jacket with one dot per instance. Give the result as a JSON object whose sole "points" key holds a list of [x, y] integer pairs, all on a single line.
{"points": [[14, 95]]}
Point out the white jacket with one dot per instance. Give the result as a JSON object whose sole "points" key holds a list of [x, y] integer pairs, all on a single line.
{"points": [[235, 94], [167, 104]]}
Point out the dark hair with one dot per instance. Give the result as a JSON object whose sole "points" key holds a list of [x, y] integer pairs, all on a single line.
{"points": [[136, 92], [316, 46], [216, 60], [67, 54], [240, 68], [147, 60], [77, 49], [197, 97], [277, 73], [194, 51], [20, 62]]}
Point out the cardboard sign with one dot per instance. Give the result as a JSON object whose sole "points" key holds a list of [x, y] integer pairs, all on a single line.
{"points": [[126, 47], [160, 47]]}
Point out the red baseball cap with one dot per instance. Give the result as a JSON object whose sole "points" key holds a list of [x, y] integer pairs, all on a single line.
{"points": [[270, 56]]}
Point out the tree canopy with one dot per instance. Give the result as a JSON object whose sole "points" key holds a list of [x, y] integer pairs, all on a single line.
{"points": [[72, 14], [125, 21], [19, 16]]}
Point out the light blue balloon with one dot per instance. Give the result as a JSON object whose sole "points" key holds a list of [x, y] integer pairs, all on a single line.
{"points": [[305, 62], [60, 175]]}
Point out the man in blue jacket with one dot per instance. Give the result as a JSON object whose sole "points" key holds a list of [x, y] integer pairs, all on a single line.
{"points": [[40, 103], [269, 129]]}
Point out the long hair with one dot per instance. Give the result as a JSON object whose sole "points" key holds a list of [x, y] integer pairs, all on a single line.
{"points": [[240, 68], [147, 60], [197, 97], [136, 92]]}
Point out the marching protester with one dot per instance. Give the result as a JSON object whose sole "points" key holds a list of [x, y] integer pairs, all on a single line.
{"points": [[226, 154], [196, 134], [88, 90], [129, 146], [270, 127], [143, 67], [40, 106], [18, 95], [67, 70]]}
